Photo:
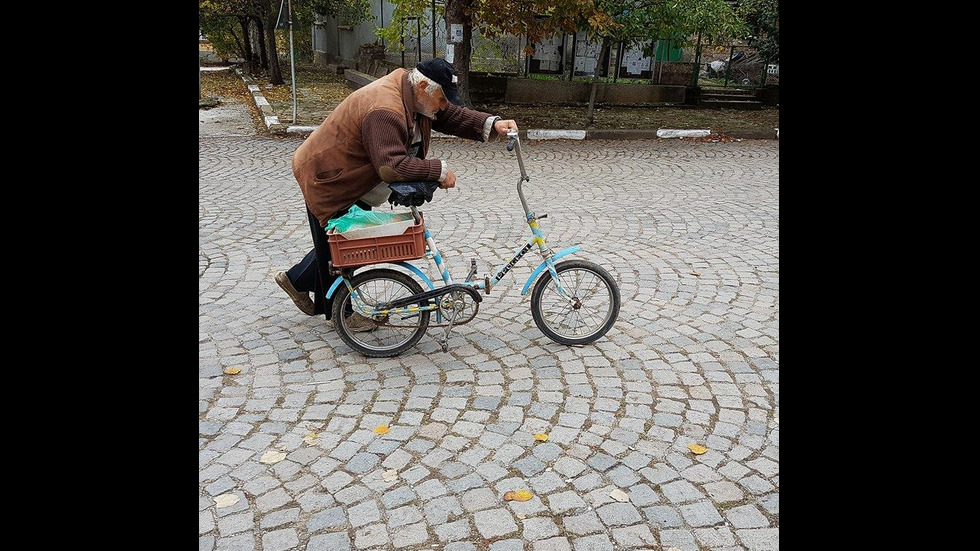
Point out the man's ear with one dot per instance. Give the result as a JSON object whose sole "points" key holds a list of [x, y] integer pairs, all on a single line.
{"points": [[423, 85]]}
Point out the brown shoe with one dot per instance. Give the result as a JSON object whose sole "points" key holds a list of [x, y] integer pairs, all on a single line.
{"points": [[301, 300]]}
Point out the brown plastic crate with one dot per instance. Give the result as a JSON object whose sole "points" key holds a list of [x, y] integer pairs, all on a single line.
{"points": [[346, 253]]}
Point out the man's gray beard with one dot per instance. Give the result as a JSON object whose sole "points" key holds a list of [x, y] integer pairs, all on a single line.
{"points": [[424, 113]]}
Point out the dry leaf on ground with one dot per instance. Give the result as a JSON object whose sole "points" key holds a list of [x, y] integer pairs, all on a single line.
{"points": [[272, 457], [541, 437], [619, 495], [519, 495], [381, 429], [232, 370], [389, 475], [697, 448], [226, 500]]}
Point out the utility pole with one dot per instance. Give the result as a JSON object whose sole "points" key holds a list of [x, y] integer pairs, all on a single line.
{"points": [[292, 58]]}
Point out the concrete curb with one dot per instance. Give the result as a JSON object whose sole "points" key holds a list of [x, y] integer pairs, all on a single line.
{"points": [[276, 127], [269, 116]]}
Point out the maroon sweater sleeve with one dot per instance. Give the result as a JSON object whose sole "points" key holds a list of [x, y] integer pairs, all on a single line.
{"points": [[461, 121], [384, 134]]}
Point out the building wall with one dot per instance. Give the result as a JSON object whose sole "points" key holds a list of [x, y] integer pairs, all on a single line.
{"points": [[341, 45]]}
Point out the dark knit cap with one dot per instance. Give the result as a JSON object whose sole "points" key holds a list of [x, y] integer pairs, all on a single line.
{"points": [[442, 73]]}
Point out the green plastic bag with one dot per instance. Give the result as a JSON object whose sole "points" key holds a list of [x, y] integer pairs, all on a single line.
{"points": [[358, 218]]}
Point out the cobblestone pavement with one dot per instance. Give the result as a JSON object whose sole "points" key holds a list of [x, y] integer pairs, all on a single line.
{"points": [[288, 456]]}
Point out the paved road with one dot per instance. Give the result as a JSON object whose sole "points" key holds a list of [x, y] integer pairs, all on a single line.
{"points": [[288, 454]]}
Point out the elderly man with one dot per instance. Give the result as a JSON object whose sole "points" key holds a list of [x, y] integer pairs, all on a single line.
{"points": [[379, 134]]}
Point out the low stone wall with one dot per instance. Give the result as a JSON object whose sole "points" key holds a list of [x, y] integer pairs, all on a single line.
{"points": [[525, 90], [768, 95], [356, 79], [486, 87], [516, 90]]}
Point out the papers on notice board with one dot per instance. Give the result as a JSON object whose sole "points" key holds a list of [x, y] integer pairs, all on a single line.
{"points": [[586, 54], [548, 53], [634, 61]]}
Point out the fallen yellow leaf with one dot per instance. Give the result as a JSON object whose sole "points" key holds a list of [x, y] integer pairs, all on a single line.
{"points": [[381, 429], [697, 449], [310, 438], [232, 370], [226, 500], [619, 495], [272, 457], [541, 437], [519, 495]]}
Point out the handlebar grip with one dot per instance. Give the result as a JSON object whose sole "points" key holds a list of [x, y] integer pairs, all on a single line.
{"points": [[511, 144]]}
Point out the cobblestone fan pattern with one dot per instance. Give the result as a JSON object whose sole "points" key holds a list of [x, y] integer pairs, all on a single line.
{"points": [[288, 454]]}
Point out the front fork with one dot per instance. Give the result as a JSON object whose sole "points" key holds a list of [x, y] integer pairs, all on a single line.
{"points": [[549, 256]]}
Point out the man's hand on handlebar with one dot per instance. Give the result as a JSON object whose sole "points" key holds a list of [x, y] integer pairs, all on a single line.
{"points": [[504, 126], [450, 180]]}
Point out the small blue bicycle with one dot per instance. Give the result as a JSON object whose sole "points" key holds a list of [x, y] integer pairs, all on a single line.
{"points": [[573, 302]]}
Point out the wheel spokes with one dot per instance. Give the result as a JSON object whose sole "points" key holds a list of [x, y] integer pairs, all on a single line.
{"points": [[584, 286]]}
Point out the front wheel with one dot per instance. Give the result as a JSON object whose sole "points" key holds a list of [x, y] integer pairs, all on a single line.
{"points": [[586, 311], [382, 336]]}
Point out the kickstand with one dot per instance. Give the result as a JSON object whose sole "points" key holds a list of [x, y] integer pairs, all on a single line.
{"points": [[444, 341]]}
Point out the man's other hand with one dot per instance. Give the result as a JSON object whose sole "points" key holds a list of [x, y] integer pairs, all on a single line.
{"points": [[450, 180]]}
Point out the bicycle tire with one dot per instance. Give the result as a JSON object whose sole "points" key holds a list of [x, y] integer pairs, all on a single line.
{"points": [[377, 286], [560, 321]]}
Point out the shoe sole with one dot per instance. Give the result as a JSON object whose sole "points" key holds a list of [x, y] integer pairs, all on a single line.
{"points": [[360, 329], [290, 290]]}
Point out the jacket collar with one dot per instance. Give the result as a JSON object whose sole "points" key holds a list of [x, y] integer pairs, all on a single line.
{"points": [[408, 100]]}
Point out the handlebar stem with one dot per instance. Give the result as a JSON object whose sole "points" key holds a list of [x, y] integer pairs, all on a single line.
{"points": [[516, 139]]}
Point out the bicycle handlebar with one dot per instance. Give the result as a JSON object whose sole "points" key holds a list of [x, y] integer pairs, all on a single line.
{"points": [[515, 141]]}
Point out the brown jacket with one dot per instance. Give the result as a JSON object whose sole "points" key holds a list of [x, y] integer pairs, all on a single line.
{"points": [[366, 139]]}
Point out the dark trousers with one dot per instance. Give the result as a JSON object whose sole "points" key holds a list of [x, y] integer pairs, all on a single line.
{"points": [[312, 274]]}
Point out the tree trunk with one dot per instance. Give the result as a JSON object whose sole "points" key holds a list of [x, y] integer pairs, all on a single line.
{"points": [[247, 52], [697, 62], [595, 82], [456, 13], [275, 72], [263, 57]]}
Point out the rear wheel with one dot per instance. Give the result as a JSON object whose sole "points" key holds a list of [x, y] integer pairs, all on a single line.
{"points": [[589, 310], [395, 333]]}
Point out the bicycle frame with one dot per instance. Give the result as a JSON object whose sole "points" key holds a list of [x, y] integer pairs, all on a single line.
{"points": [[433, 254]]}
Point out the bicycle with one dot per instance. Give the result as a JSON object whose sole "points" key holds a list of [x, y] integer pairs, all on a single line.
{"points": [[573, 302]]}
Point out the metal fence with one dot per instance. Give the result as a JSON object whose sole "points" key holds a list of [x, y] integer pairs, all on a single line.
{"points": [[731, 65], [565, 57]]}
